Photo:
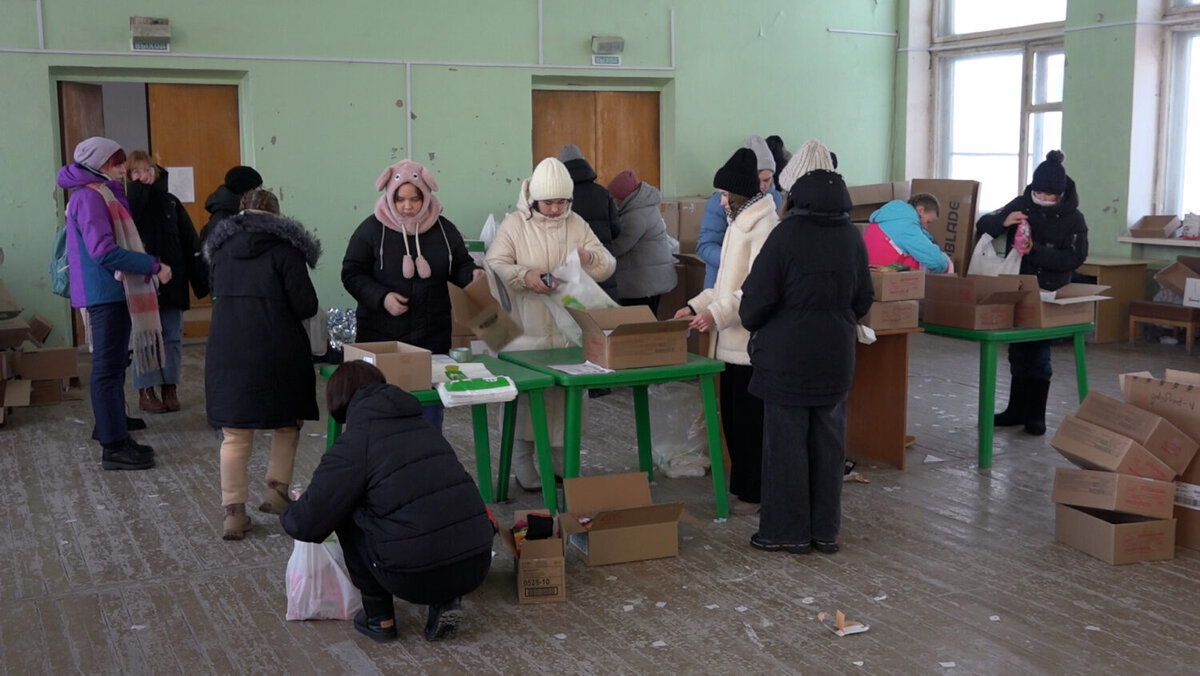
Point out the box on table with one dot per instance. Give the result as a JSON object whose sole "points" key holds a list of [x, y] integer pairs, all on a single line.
{"points": [[1112, 537], [691, 213], [1164, 440], [891, 285], [1114, 492], [406, 366], [631, 337], [895, 314], [1174, 277], [1071, 304], [868, 198], [475, 308], [540, 565], [972, 302], [1155, 226], [1093, 447], [625, 525], [47, 363], [954, 228]]}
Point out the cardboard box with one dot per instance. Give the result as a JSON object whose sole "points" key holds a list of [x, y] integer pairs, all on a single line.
{"points": [[1187, 515], [15, 393], [1155, 433], [895, 314], [670, 215], [691, 212], [1191, 293], [1114, 492], [1093, 447], [46, 392], [13, 332], [1174, 277], [406, 366], [478, 310], [954, 229], [1176, 398], [868, 198], [631, 337], [8, 305], [973, 301], [540, 566], [1155, 226], [1071, 304], [625, 523], [898, 285], [40, 328], [1115, 538], [47, 363]]}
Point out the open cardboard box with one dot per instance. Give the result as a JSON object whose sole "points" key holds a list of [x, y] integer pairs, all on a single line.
{"points": [[1156, 434], [1070, 304], [1112, 537], [1155, 226], [406, 366], [1114, 492], [477, 309], [1093, 447], [540, 566], [972, 302], [631, 337], [868, 198], [1174, 277], [625, 524]]}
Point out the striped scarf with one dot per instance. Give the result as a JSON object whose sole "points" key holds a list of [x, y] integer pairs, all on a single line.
{"points": [[141, 291]]}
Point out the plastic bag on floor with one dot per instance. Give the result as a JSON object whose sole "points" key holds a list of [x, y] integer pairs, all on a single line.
{"points": [[678, 437], [318, 586]]}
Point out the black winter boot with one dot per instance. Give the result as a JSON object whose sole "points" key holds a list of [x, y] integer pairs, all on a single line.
{"points": [[126, 454], [377, 619], [1035, 408], [443, 620], [1018, 397]]}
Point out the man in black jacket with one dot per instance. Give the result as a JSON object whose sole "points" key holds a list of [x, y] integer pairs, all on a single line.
{"points": [[594, 204]]}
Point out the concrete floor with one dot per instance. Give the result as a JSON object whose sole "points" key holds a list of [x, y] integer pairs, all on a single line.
{"points": [[954, 569]]}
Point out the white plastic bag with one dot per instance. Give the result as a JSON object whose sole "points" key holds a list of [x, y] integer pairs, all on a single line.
{"points": [[985, 261], [575, 288], [317, 328], [678, 436], [489, 231], [318, 586]]}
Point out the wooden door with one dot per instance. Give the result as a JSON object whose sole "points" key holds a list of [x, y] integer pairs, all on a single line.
{"points": [[195, 126], [615, 131], [81, 116]]}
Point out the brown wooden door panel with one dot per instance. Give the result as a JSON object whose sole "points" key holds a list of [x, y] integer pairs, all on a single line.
{"points": [[81, 116], [560, 118], [614, 130]]}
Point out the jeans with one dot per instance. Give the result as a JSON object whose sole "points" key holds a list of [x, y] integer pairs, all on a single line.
{"points": [[1030, 360], [434, 415], [172, 326], [110, 353], [804, 456]]}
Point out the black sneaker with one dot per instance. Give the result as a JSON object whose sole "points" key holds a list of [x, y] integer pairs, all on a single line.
{"points": [[378, 629], [824, 547], [145, 450], [443, 620], [759, 542], [596, 393], [131, 425], [125, 455]]}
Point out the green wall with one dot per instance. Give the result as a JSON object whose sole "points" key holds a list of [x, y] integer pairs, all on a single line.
{"points": [[319, 120]]}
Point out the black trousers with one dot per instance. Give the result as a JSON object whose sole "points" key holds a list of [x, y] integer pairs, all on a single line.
{"points": [[431, 587], [804, 455], [652, 301], [742, 420]]}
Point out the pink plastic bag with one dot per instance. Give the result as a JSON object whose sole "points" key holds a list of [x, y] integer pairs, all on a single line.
{"points": [[318, 586]]}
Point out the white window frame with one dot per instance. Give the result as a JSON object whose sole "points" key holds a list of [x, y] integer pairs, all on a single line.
{"points": [[942, 19], [1182, 23]]}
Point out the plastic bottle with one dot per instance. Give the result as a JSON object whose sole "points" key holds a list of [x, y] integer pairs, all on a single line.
{"points": [[1022, 238]]}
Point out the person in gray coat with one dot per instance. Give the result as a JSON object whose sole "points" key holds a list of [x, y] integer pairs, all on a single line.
{"points": [[645, 264]]}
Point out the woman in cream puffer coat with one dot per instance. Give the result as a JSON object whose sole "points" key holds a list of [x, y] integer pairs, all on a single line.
{"points": [[534, 240]]}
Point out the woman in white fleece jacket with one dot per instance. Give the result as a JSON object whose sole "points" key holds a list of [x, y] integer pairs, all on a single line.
{"points": [[752, 217]]}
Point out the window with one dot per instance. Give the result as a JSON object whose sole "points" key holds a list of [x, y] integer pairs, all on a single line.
{"points": [[1181, 142], [973, 16]]}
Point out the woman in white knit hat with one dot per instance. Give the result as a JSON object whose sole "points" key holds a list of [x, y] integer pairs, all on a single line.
{"points": [[530, 242]]}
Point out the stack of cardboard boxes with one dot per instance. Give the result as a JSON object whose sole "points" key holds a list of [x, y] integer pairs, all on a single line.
{"points": [[682, 216], [30, 373], [1007, 301], [1119, 506], [897, 299]]}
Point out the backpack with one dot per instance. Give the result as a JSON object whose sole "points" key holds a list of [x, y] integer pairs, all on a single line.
{"points": [[60, 275]]}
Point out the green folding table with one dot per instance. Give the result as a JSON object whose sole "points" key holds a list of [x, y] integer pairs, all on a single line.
{"points": [[696, 367], [528, 382], [988, 344]]}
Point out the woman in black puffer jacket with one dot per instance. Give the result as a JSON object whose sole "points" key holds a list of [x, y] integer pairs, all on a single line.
{"points": [[1058, 246], [407, 514]]}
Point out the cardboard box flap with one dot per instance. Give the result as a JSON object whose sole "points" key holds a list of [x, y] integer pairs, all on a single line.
{"points": [[635, 516], [1182, 377], [477, 309], [610, 318], [519, 515], [15, 393], [1079, 293], [591, 495], [542, 549], [653, 326]]}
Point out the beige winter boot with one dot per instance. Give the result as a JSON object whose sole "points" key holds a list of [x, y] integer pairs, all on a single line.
{"points": [[523, 466], [237, 522]]}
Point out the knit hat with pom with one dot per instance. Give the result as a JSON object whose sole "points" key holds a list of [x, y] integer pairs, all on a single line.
{"points": [[1050, 176]]}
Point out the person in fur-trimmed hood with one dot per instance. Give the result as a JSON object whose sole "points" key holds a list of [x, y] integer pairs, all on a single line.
{"points": [[258, 371], [752, 217]]}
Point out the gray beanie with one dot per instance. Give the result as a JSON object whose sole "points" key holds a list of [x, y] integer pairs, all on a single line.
{"points": [[570, 152], [759, 145], [811, 156], [94, 152]]}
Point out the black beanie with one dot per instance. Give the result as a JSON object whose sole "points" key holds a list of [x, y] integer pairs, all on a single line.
{"points": [[1050, 176], [739, 175], [242, 179]]}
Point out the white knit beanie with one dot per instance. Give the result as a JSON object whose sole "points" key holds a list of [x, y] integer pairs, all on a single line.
{"points": [[811, 156], [759, 145], [551, 181]]}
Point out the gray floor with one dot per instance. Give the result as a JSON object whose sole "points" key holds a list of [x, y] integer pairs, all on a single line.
{"points": [[954, 569]]}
